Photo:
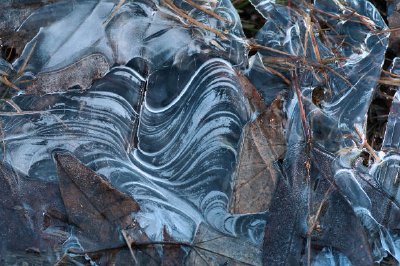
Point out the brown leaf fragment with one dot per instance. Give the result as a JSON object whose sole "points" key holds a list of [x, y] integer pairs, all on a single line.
{"points": [[17, 223], [173, 253], [81, 73], [213, 248], [343, 231], [284, 235], [142, 249], [92, 204], [26, 204], [110, 202], [12, 16], [263, 143], [251, 93]]}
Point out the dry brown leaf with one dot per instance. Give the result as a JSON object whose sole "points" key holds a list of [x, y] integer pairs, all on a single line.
{"points": [[172, 254], [263, 143], [81, 73], [213, 248], [96, 208]]}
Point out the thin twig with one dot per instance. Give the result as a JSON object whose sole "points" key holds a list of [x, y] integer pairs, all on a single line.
{"points": [[191, 20], [307, 136], [5, 81], [207, 11], [114, 12], [388, 30], [25, 63], [14, 105], [9, 54], [308, 29], [389, 81], [276, 73], [126, 238], [390, 73], [318, 213], [256, 47], [365, 144], [296, 87]]}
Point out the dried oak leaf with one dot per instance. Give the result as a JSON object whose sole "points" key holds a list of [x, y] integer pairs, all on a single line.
{"points": [[342, 230], [213, 248], [27, 205], [284, 235], [173, 254], [81, 73], [96, 208], [263, 143]]}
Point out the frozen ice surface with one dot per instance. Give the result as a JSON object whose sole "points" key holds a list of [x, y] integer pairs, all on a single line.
{"points": [[152, 99]]}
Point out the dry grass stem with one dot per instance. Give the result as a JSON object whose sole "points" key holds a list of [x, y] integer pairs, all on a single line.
{"points": [[25, 63], [207, 11], [114, 12], [277, 73], [5, 81], [14, 105], [366, 145], [191, 20]]}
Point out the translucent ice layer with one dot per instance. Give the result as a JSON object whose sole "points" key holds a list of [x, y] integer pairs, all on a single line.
{"points": [[141, 132]]}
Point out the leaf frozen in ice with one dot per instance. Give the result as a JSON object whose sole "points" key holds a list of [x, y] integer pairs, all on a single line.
{"points": [[263, 143], [212, 248]]}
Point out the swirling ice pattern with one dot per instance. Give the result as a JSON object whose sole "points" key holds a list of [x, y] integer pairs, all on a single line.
{"points": [[187, 151], [92, 124], [138, 29], [203, 133], [191, 145], [181, 173]]}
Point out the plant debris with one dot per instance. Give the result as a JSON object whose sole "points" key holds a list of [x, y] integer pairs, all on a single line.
{"points": [[199, 132]]}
